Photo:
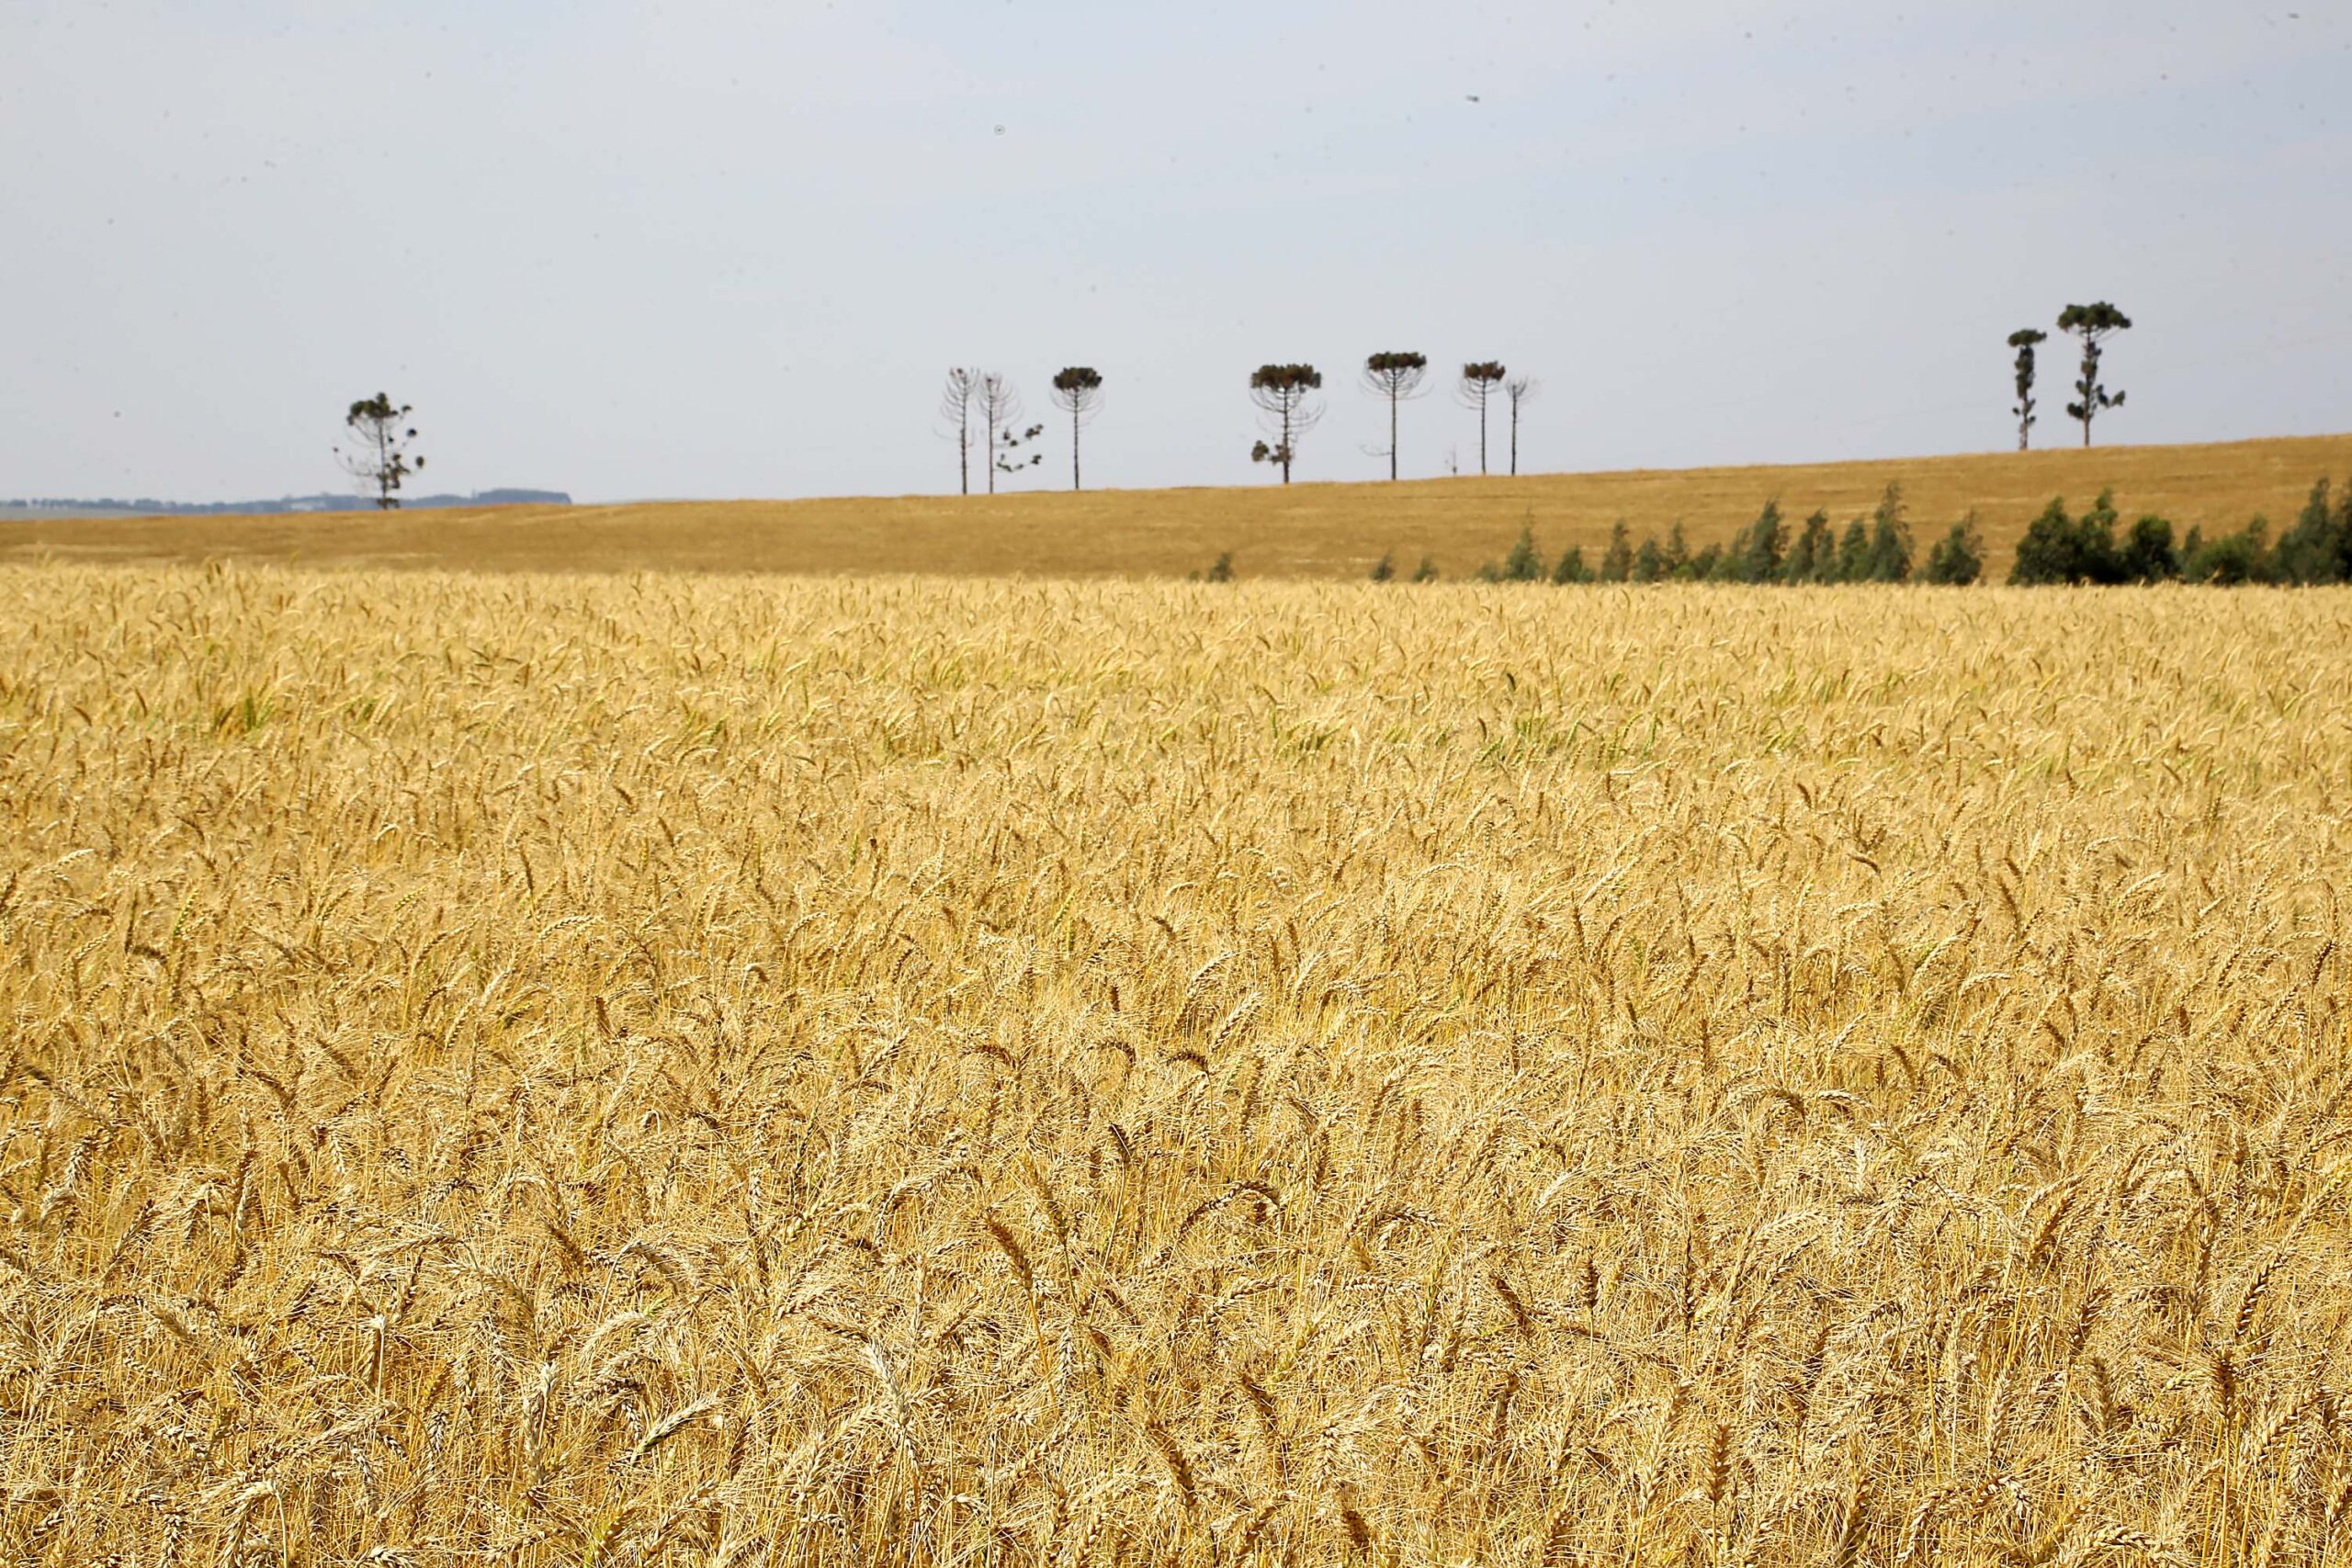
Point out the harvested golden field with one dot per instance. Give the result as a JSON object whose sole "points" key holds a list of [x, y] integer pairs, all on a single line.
{"points": [[677, 1070], [1299, 531]]}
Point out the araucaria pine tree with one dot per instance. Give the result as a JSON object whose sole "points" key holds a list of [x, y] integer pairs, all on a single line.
{"points": [[1285, 395], [1517, 390], [1077, 392], [2092, 324], [2023, 340], [1478, 382], [1395, 374], [1000, 406], [955, 399], [379, 458]]}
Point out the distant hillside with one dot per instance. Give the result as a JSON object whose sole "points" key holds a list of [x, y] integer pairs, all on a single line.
{"points": [[323, 502], [1334, 531]]}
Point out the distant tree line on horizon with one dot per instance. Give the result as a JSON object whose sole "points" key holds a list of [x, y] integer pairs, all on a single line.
{"points": [[1288, 406], [1876, 548], [325, 501], [2315, 551], [382, 455], [1284, 396], [2056, 548]]}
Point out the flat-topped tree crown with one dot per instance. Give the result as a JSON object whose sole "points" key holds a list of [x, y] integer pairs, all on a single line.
{"points": [[1284, 392], [2092, 324], [1479, 378], [2098, 320], [1286, 378], [1395, 374], [1077, 392]]}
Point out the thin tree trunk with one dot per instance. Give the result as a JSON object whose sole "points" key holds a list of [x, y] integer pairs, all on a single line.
{"points": [[964, 458], [1392, 436], [1073, 447], [1482, 434], [2090, 385], [1514, 438]]}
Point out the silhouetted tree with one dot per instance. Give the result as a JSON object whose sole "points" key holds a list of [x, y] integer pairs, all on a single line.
{"points": [[1285, 394], [1649, 561], [1518, 390], [1385, 569], [1572, 568], [1000, 406], [2092, 324], [1077, 392], [1478, 382], [379, 457], [2023, 340], [956, 400], [1397, 376]]}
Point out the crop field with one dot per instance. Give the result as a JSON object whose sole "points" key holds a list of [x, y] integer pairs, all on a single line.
{"points": [[1302, 531], [675, 1069]]}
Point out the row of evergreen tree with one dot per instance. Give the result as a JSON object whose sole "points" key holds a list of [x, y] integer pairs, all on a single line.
{"points": [[2316, 550], [1878, 549]]}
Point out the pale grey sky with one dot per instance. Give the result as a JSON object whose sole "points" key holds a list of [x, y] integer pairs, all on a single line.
{"points": [[727, 248]]}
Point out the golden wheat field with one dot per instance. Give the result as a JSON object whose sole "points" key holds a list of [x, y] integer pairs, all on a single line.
{"points": [[1303, 531], [673, 1070]]}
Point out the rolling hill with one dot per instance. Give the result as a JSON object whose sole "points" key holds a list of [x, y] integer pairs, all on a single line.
{"points": [[1300, 531]]}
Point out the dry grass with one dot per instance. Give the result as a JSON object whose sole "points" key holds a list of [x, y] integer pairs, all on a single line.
{"points": [[1304, 531], [695, 1071]]}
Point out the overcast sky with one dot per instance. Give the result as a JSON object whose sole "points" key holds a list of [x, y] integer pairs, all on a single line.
{"points": [[727, 248]]}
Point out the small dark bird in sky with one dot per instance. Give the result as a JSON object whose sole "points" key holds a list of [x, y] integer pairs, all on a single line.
{"points": [[1471, 96]]}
